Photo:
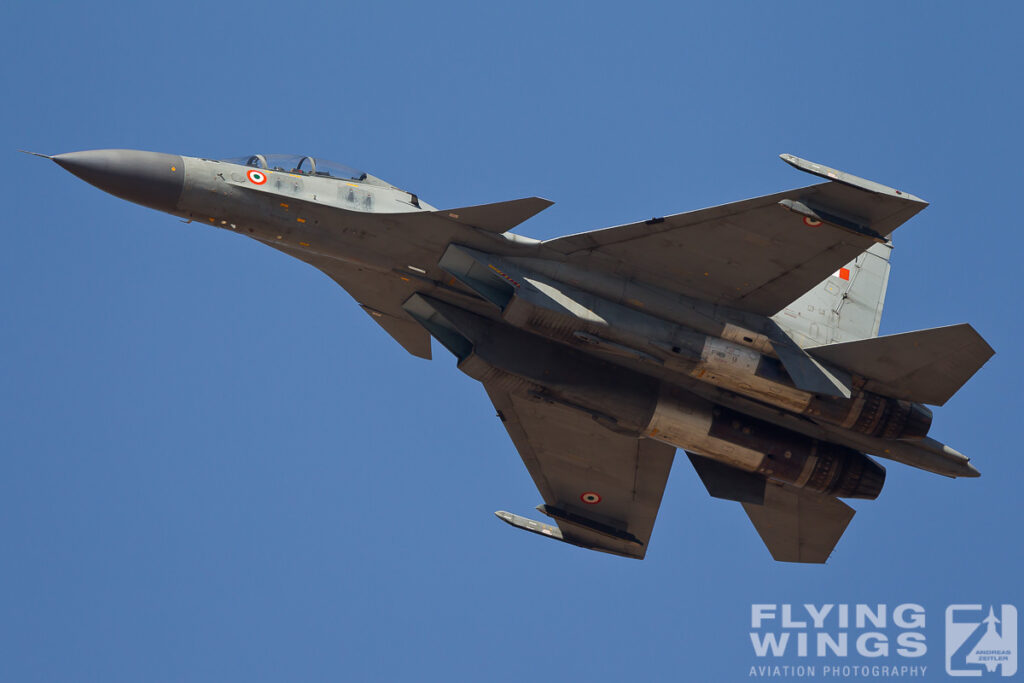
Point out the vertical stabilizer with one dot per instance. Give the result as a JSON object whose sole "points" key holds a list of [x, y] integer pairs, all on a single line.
{"points": [[845, 307]]}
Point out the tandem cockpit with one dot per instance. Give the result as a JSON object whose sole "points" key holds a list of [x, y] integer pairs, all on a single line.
{"points": [[306, 165], [349, 193]]}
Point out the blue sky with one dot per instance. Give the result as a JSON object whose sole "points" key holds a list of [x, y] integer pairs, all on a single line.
{"points": [[216, 467]]}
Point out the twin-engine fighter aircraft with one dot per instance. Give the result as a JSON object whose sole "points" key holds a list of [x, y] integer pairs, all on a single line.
{"points": [[745, 334]]}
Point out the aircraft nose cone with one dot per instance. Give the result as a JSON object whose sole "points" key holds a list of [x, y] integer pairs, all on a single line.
{"points": [[148, 178]]}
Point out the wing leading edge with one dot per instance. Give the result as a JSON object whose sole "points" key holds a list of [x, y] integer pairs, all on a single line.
{"points": [[756, 255]]}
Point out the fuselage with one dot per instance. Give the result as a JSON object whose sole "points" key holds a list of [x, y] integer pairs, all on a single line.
{"points": [[641, 360]]}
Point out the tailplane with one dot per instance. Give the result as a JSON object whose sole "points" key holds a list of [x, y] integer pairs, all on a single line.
{"points": [[927, 366]]}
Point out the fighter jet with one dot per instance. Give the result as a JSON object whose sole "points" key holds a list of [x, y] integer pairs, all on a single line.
{"points": [[745, 334]]}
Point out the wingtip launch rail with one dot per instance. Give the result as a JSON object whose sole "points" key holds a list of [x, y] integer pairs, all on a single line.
{"points": [[846, 178]]}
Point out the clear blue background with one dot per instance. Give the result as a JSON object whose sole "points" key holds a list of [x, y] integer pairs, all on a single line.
{"points": [[216, 467]]}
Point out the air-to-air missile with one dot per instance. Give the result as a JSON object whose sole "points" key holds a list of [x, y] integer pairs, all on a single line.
{"points": [[746, 334]]}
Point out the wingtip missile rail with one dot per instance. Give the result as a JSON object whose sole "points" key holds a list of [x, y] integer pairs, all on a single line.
{"points": [[846, 178]]}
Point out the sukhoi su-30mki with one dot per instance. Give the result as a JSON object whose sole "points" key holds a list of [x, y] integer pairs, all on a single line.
{"points": [[745, 334]]}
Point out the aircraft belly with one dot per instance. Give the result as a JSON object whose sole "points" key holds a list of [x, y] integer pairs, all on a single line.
{"points": [[927, 453], [604, 351]]}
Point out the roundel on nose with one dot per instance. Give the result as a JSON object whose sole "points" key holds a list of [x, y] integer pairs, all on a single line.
{"points": [[152, 179]]}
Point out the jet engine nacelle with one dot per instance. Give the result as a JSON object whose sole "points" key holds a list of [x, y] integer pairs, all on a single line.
{"points": [[699, 348], [641, 406], [774, 452]]}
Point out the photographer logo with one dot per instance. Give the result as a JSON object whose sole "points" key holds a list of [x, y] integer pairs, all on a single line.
{"points": [[981, 640]]}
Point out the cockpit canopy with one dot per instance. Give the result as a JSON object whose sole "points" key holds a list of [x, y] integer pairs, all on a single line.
{"points": [[295, 163]]}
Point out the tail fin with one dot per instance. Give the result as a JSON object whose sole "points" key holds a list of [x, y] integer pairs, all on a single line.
{"points": [[845, 307]]}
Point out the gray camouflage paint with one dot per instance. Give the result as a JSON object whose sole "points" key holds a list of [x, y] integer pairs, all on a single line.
{"points": [[576, 329]]}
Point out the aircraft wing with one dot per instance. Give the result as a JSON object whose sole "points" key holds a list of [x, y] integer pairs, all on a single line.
{"points": [[756, 255], [603, 489]]}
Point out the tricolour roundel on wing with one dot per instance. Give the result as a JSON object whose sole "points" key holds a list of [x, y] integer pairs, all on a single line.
{"points": [[590, 498], [811, 222], [256, 177]]}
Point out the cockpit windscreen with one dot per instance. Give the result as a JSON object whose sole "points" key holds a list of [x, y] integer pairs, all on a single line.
{"points": [[295, 163]]}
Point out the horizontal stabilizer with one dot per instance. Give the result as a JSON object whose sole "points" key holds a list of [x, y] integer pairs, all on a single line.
{"points": [[799, 526], [927, 366], [499, 217], [728, 483]]}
